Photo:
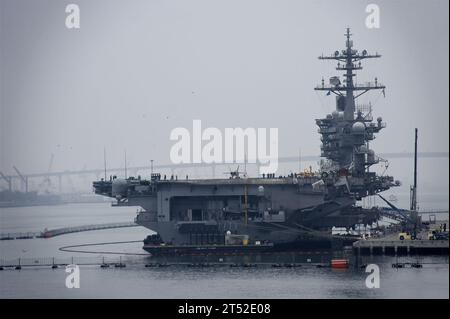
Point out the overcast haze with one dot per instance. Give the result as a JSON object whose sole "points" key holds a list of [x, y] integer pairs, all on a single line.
{"points": [[137, 69]]}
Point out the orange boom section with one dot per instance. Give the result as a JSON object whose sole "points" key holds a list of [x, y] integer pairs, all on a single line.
{"points": [[339, 263]]}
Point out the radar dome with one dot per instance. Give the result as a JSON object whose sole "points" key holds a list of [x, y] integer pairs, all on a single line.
{"points": [[358, 128]]}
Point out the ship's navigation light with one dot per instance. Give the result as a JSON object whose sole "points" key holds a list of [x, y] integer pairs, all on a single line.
{"points": [[336, 53], [364, 52]]}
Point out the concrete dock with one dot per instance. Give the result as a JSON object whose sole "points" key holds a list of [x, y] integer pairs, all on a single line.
{"points": [[401, 247]]}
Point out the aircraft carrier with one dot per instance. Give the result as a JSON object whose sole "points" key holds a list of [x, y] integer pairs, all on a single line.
{"points": [[271, 212]]}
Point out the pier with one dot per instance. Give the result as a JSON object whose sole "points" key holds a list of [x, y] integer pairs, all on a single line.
{"points": [[401, 247]]}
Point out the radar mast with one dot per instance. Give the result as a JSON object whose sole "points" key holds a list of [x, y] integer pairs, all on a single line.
{"points": [[347, 131]]}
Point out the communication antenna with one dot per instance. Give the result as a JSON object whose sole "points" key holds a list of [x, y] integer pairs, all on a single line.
{"points": [[104, 160], [413, 206], [245, 164], [299, 160], [125, 164], [151, 167]]}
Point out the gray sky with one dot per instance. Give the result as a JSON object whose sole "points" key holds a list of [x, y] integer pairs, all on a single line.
{"points": [[137, 69]]}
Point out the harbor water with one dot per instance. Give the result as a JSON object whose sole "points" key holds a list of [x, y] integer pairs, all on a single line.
{"points": [[138, 281]]}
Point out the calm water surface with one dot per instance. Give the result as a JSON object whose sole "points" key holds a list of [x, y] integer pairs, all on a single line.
{"points": [[136, 281]]}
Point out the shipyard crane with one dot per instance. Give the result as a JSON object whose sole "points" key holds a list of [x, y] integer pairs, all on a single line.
{"points": [[8, 180], [23, 178], [47, 181]]}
